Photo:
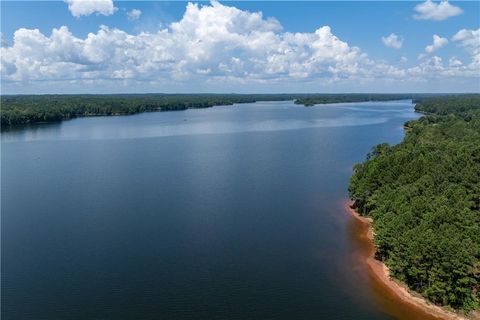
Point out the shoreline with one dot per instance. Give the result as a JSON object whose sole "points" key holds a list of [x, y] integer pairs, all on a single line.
{"points": [[399, 291], [275, 98]]}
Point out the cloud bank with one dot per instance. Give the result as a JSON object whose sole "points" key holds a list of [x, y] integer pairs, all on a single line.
{"points": [[212, 45]]}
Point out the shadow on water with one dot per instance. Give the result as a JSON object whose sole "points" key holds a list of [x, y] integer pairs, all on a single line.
{"points": [[31, 132]]}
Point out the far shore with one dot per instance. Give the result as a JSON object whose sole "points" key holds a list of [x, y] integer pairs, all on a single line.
{"points": [[399, 291]]}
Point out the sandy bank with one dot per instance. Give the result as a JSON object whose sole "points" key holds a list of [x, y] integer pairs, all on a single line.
{"points": [[399, 291]]}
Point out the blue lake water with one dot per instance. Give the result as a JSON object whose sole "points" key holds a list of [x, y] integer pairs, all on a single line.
{"points": [[230, 212]]}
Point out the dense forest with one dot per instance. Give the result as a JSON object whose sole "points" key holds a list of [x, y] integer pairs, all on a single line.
{"points": [[314, 99], [424, 197], [28, 109]]}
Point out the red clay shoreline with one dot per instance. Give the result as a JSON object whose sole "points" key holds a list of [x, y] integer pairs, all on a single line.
{"points": [[399, 291]]}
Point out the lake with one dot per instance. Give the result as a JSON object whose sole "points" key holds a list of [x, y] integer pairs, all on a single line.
{"points": [[230, 212]]}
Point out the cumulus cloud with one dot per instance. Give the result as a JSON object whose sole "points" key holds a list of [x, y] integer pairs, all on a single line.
{"points": [[434, 67], [214, 40], [3, 42], [134, 14], [438, 42], [210, 44], [393, 41], [430, 10], [454, 62], [470, 40], [87, 7]]}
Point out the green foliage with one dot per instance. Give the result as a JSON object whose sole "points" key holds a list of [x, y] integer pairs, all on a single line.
{"points": [[353, 97], [26, 109], [424, 197], [449, 104]]}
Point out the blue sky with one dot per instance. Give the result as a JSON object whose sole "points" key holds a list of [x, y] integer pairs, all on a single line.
{"points": [[349, 56]]}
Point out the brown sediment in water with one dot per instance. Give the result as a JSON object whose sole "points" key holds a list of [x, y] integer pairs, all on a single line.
{"points": [[397, 299]]}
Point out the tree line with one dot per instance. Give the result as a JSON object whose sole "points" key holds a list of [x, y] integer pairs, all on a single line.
{"points": [[424, 197], [314, 99], [28, 109]]}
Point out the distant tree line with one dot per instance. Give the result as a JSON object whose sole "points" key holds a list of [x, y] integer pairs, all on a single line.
{"points": [[27, 109], [424, 197], [448, 104], [314, 99]]}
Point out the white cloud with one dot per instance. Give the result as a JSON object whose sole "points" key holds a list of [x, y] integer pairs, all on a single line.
{"points": [[3, 42], [430, 10], [454, 62], [438, 42], [134, 14], [87, 7], [393, 41], [223, 41], [212, 45], [434, 67], [470, 40]]}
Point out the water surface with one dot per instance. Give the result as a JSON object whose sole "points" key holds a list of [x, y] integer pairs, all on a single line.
{"points": [[231, 212]]}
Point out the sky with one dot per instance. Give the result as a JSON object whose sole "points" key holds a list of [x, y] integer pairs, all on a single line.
{"points": [[105, 46]]}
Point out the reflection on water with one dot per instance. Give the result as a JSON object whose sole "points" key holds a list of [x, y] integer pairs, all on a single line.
{"points": [[218, 120], [32, 132]]}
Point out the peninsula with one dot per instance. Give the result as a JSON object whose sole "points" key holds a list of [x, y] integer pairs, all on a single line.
{"points": [[423, 197]]}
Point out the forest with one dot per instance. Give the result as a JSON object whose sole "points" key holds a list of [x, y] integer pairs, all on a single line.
{"points": [[28, 109], [424, 198], [314, 99]]}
